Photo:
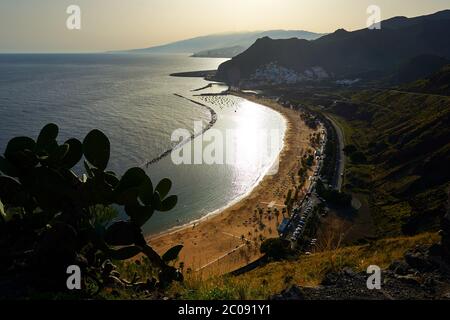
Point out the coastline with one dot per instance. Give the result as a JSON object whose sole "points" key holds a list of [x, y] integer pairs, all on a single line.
{"points": [[209, 215], [229, 237], [228, 205]]}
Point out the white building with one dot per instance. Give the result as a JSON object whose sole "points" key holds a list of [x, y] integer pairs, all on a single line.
{"points": [[272, 73]]}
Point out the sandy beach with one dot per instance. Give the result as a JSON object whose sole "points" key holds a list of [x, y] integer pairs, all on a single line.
{"points": [[231, 239]]}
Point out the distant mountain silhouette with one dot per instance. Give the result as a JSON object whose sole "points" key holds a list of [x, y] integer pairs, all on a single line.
{"points": [[348, 55], [225, 40], [228, 52]]}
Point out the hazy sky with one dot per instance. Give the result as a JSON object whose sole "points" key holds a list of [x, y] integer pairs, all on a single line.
{"points": [[40, 25]]}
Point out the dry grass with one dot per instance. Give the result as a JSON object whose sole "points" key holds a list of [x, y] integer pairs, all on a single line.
{"points": [[306, 271]]}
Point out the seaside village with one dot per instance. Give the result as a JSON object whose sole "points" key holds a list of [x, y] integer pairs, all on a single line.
{"points": [[275, 74]]}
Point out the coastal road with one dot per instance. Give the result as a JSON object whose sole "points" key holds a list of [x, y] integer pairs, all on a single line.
{"points": [[340, 158]]}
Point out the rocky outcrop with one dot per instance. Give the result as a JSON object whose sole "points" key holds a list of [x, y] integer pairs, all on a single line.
{"points": [[422, 275]]}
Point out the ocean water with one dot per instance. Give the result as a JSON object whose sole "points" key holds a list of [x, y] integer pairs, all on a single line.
{"points": [[137, 104]]}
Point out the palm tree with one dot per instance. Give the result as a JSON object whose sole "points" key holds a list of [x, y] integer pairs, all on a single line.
{"points": [[277, 214], [261, 212]]}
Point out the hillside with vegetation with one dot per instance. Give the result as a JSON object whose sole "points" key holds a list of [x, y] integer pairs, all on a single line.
{"points": [[419, 67], [401, 144], [437, 83], [306, 271]]}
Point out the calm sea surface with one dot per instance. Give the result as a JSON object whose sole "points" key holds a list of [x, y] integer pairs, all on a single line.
{"points": [[132, 99]]}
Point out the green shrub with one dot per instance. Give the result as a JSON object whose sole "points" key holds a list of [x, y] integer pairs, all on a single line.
{"points": [[276, 249]]}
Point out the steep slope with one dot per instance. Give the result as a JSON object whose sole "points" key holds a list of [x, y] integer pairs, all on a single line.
{"points": [[344, 54], [312, 270], [419, 67], [405, 137], [438, 83]]}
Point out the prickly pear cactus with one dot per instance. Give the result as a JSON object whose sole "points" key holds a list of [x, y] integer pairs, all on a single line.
{"points": [[48, 214]]}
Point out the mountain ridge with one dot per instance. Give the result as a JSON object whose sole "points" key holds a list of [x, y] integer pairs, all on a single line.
{"points": [[345, 54], [223, 40]]}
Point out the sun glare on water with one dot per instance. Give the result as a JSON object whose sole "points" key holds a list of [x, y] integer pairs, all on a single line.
{"points": [[256, 145]]}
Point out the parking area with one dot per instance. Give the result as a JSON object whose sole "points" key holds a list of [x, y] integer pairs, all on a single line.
{"points": [[294, 228]]}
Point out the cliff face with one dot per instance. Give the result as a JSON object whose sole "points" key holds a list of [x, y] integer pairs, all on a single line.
{"points": [[347, 55]]}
